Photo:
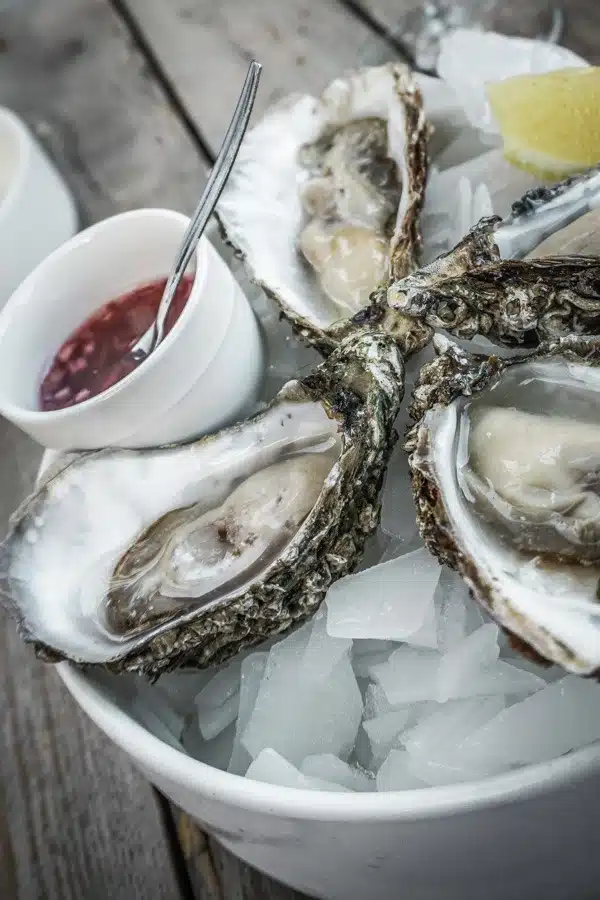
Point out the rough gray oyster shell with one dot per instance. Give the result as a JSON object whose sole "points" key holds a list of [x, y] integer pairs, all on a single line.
{"points": [[104, 560], [500, 283], [304, 181], [505, 466]]}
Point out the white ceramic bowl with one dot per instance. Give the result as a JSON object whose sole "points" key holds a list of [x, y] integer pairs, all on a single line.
{"points": [[528, 834], [205, 373], [37, 213]]}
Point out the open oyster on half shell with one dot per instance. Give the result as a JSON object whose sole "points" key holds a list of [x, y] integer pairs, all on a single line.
{"points": [[532, 277], [505, 465], [147, 560], [323, 202]]}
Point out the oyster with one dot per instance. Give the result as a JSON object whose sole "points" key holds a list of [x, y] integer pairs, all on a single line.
{"points": [[505, 464], [323, 202], [518, 281], [147, 560]]}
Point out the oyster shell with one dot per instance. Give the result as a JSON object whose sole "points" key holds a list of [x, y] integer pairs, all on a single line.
{"points": [[146, 560], [323, 202], [505, 464], [510, 290]]}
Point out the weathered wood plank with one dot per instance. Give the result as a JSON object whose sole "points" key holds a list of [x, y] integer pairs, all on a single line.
{"points": [[70, 69], [528, 17], [216, 874], [204, 878], [204, 49], [241, 882], [76, 820]]}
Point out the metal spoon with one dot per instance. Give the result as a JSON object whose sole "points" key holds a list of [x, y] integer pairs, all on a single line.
{"points": [[216, 182]]}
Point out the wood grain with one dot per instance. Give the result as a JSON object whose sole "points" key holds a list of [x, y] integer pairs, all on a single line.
{"points": [[75, 819], [215, 874], [529, 18], [71, 70], [204, 49], [242, 882]]}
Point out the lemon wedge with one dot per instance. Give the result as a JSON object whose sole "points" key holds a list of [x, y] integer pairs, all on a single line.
{"points": [[550, 123]]}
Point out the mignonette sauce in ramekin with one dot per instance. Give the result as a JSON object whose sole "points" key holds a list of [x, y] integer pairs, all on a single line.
{"points": [[62, 332]]}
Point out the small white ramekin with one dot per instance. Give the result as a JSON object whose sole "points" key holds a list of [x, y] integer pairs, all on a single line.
{"points": [[37, 213], [206, 373]]}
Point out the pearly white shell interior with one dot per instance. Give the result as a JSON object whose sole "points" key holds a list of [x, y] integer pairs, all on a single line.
{"points": [[555, 611], [260, 206], [519, 235], [92, 512]]}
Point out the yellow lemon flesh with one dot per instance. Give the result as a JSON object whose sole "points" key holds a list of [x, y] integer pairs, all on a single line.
{"points": [[550, 123]]}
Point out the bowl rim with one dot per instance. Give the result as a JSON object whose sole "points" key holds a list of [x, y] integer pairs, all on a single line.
{"points": [[59, 257], [167, 762]]}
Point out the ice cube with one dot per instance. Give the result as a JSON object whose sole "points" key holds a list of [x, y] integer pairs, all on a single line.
{"points": [[253, 668], [269, 766], [504, 182], [394, 774], [384, 731], [504, 678], [160, 720], [365, 657], [561, 717], [465, 147], [409, 676], [448, 724], [179, 689], [451, 598], [375, 548], [212, 721], [364, 648], [389, 601], [215, 753], [218, 701], [396, 548], [361, 754], [309, 701], [476, 616], [461, 666], [153, 708], [434, 772], [221, 687], [330, 768], [376, 702], [427, 635]]}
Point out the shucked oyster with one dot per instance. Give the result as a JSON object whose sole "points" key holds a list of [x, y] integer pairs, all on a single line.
{"points": [[146, 560], [532, 277], [323, 202], [505, 462]]}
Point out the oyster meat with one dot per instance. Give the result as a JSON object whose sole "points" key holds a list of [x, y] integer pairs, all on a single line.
{"points": [[323, 202], [505, 464], [530, 278], [147, 560], [352, 201]]}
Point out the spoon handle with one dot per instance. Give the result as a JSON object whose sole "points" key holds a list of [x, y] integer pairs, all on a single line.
{"points": [[214, 187]]}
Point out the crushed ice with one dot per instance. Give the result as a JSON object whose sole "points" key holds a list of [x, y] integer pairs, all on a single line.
{"points": [[400, 682]]}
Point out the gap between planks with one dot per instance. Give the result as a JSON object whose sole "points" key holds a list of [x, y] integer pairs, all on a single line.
{"points": [[203, 50]]}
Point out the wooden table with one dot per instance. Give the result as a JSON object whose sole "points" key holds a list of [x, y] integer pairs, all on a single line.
{"points": [[131, 98]]}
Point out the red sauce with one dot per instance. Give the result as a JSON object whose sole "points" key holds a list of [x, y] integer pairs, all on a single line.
{"points": [[95, 356]]}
